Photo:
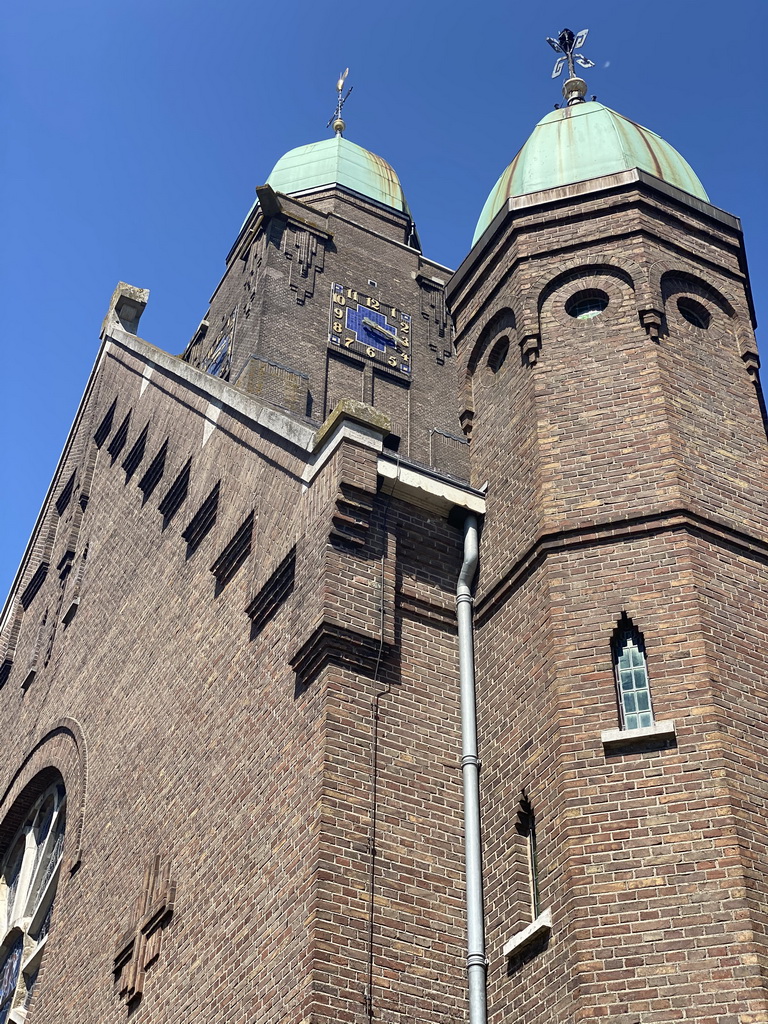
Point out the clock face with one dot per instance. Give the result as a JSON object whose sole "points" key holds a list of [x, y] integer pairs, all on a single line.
{"points": [[216, 360], [370, 327]]}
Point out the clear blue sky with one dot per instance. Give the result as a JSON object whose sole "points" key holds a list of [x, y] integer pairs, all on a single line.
{"points": [[134, 134]]}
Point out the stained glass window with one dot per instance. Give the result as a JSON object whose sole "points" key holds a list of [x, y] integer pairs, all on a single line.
{"points": [[28, 878], [634, 691], [9, 976]]}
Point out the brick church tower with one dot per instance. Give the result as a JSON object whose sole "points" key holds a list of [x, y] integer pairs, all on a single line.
{"points": [[238, 666], [608, 381]]}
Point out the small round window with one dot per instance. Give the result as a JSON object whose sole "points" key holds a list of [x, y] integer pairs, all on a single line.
{"points": [[694, 312], [587, 304], [498, 355]]}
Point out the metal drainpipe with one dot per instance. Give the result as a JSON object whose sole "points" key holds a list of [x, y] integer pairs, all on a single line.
{"points": [[477, 964]]}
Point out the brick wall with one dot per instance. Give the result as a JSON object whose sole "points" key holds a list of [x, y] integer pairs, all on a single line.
{"points": [[275, 301], [229, 727], [626, 461]]}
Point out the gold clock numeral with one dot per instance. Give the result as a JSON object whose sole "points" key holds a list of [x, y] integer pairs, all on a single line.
{"points": [[348, 342], [393, 312], [370, 351], [392, 360], [339, 298], [405, 342], [372, 303], [405, 326], [405, 357], [352, 294], [336, 327], [338, 311]]}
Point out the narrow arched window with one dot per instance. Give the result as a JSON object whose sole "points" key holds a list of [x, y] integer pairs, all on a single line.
{"points": [[631, 668], [526, 827], [29, 874]]}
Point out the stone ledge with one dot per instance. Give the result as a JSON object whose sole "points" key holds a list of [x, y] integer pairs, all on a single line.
{"points": [[359, 413], [214, 390], [628, 739], [538, 929]]}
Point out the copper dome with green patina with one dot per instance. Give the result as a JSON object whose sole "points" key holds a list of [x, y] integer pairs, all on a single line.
{"points": [[337, 161], [584, 141]]}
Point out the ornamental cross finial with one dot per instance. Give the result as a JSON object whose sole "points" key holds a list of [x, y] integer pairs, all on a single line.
{"points": [[336, 120], [566, 44]]}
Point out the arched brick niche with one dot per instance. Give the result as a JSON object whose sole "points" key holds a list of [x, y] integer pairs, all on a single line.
{"points": [[587, 300], [692, 304], [488, 360]]}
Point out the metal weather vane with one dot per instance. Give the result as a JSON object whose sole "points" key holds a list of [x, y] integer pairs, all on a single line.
{"points": [[566, 44], [337, 120]]}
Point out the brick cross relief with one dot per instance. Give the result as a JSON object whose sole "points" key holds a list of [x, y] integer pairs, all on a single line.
{"points": [[139, 946]]}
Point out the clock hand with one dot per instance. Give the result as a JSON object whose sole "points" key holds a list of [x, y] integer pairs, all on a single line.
{"points": [[373, 326]]}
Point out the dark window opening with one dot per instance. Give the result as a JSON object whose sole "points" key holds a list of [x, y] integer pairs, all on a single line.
{"points": [[234, 554], [66, 496], [117, 443], [154, 474], [133, 459], [275, 591], [526, 827], [694, 312], [105, 427]]}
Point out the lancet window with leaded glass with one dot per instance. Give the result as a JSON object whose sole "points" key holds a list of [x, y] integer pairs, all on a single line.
{"points": [[28, 880], [631, 668]]}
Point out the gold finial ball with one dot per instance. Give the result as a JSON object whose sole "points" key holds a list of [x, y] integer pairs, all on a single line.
{"points": [[339, 126]]}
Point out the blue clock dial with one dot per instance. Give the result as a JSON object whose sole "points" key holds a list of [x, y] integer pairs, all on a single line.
{"points": [[372, 327], [216, 361], [219, 357], [368, 326]]}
